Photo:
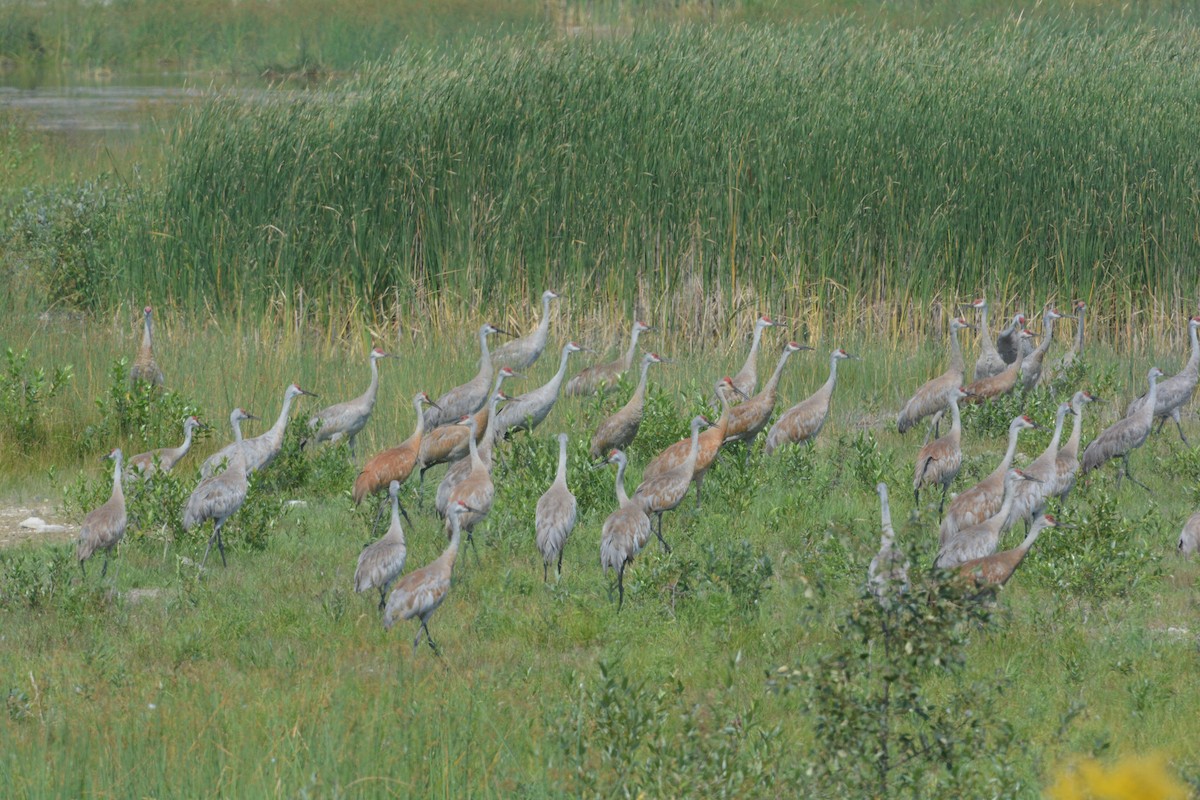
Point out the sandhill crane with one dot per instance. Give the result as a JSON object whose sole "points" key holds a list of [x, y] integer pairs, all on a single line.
{"points": [[1175, 391], [527, 411], [710, 443], [521, 353], [1031, 365], [803, 421], [146, 465], [1030, 497], [476, 490], [995, 570], [1076, 352], [1008, 344], [939, 461], [346, 420], [218, 497], [460, 469], [103, 527], [666, 491], [1125, 435], [935, 394], [260, 450], [470, 396], [1066, 463], [616, 432], [381, 562], [624, 533], [980, 540], [555, 516], [605, 376], [1189, 537], [420, 592], [395, 463], [747, 420], [145, 368], [888, 572], [989, 362], [983, 499], [746, 381], [446, 444], [999, 384]]}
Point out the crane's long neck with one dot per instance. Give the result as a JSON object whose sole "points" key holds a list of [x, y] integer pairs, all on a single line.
{"points": [[395, 531], [237, 429], [419, 430], [1151, 398], [1076, 429], [632, 352], [117, 490], [1047, 335], [956, 356], [1010, 485], [831, 381], [187, 440], [485, 357], [543, 328], [1011, 452], [774, 382], [1079, 332], [955, 418], [622, 498], [281, 423], [373, 388], [751, 365], [723, 421], [639, 394], [1058, 429], [557, 380], [1193, 364], [985, 335], [694, 452], [451, 552], [886, 513], [560, 476], [147, 333]]}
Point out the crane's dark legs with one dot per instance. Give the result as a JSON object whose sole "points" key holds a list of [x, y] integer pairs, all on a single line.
{"points": [[559, 576], [417, 641], [1162, 421], [382, 597], [1129, 475], [698, 482], [104, 569], [621, 586], [1179, 426], [917, 496], [658, 532], [545, 573], [428, 638], [378, 516], [942, 505], [421, 487], [82, 568], [221, 547]]}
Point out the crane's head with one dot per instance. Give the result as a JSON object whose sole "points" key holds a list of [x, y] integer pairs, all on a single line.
{"points": [[1083, 398], [1019, 319], [979, 304], [488, 328], [840, 354], [1064, 409], [550, 294], [726, 384], [191, 423], [1017, 475], [881, 489], [653, 358], [1048, 521], [700, 421], [960, 323], [423, 399], [765, 321], [295, 391], [112, 455], [1027, 334], [961, 393], [1024, 423], [641, 327], [393, 489], [501, 397], [1155, 372], [575, 347], [238, 415], [615, 457], [459, 507], [562, 438], [147, 311], [1194, 322], [795, 347], [1053, 313], [378, 352], [508, 372], [1079, 305]]}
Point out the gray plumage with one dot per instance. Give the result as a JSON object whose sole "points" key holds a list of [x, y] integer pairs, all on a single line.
{"points": [[1009, 345], [666, 491], [218, 497], [346, 420], [1031, 365], [887, 574], [528, 411], [260, 450], [555, 514], [1189, 537], [1076, 352], [935, 394], [448, 443], [521, 353], [459, 470], [625, 531], [470, 396], [803, 421], [381, 562], [981, 539], [477, 491], [1030, 497], [605, 376], [1125, 435], [145, 368], [104, 527], [616, 432], [748, 419], [989, 362], [1175, 392], [1066, 463], [983, 499], [164, 459], [746, 381], [939, 462]]}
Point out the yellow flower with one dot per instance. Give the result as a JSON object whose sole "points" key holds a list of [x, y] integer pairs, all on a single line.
{"points": [[1130, 778]]}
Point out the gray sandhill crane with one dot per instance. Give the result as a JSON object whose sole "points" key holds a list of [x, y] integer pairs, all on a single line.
{"points": [[218, 497], [260, 450], [625, 532], [476, 491], [605, 376], [1076, 352], [1066, 463], [145, 368], [939, 461], [994, 571], [999, 384], [887, 575], [521, 353], [711, 441], [749, 418], [1030, 497], [616, 432], [395, 463], [346, 420], [1175, 391], [460, 469], [980, 540], [983, 499], [1189, 537], [555, 516], [528, 411], [989, 362], [381, 562], [1008, 345], [103, 527], [746, 381], [1031, 365], [164, 459], [470, 396], [802, 422], [935, 394], [1125, 435], [420, 592], [446, 444], [666, 491]]}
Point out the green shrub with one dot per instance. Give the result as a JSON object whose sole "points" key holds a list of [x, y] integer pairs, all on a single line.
{"points": [[24, 394]]}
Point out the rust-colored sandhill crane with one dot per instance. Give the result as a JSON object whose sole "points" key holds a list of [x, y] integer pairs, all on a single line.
{"points": [[448, 443], [1031, 365], [476, 491], [939, 461], [624, 533], [616, 432], [994, 571], [605, 376], [887, 575], [1125, 435], [665, 492], [555, 514], [164, 459], [145, 368], [103, 527], [999, 384], [1010, 347], [1076, 352], [981, 539], [346, 420], [421, 592], [749, 418], [710, 443], [983, 499], [802, 422], [1030, 497], [260, 450], [746, 381], [521, 353], [460, 469], [1175, 392], [395, 463], [935, 394], [1189, 537], [528, 411], [1066, 463], [218, 497], [381, 562], [470, 396], [989, 362]]}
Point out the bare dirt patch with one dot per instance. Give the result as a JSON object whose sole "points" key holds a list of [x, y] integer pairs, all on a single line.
{"points": [[11, 532]]}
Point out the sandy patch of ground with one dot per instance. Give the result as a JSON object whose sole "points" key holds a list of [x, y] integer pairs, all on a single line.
{"points": [[11, 532]]}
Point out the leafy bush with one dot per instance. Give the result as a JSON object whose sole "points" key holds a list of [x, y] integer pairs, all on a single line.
{"points": [[39, 578], [24, 394], [139, 413]]}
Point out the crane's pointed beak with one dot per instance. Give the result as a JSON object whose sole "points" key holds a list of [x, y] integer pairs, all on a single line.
{"points": [[435, 405], [252, 416], [502, 333], [517, 375], [740, 393]]}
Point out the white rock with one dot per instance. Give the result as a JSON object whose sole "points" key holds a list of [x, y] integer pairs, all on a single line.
{"points": [[39, 524]]}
